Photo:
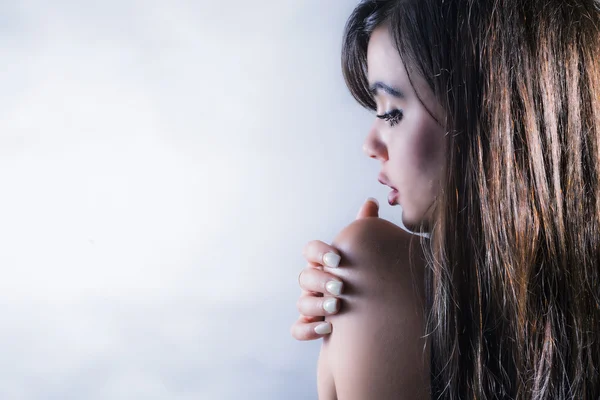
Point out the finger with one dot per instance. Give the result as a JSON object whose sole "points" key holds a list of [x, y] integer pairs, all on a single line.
{"points": [[310, 293], [320, 253], [318, 306], [369, 209], [315, 280], [307, 319], [315, 330]]}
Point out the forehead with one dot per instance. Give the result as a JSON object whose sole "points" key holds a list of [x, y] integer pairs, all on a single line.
{"points": [[383, 60]]}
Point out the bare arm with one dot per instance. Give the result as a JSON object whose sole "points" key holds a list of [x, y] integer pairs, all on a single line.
{"points": [[376, 349]]}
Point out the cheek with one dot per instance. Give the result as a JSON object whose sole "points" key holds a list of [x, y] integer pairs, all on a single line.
{"points": [[422, 150], [427, 152]]}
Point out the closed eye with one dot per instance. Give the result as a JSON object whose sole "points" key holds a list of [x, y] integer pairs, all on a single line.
{"points": [[393, 117]]}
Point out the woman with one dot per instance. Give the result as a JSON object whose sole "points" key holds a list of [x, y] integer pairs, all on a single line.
{"points": [[488, 126]]}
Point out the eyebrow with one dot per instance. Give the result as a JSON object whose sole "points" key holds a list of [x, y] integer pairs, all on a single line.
{"points": [[388, 89]]}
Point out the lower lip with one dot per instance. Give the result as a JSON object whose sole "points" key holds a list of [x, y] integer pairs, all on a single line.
{"points": [[393, 197]]}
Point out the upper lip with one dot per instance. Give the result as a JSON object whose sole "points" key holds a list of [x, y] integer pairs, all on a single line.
{"points": [[383, 180]]}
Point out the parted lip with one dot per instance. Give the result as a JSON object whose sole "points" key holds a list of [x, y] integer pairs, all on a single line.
{"points": [[383, 180]]}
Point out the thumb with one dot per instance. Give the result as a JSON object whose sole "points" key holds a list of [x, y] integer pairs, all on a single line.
{"points": [[369, 209]]}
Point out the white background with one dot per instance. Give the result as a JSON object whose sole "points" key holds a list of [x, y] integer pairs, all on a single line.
{"points": [[162, 165]]}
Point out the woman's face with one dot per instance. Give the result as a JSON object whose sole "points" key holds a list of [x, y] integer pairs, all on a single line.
{"points": [[406, 139]]}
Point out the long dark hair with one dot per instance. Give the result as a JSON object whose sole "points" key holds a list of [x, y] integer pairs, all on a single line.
{"points": [[514, 254]]}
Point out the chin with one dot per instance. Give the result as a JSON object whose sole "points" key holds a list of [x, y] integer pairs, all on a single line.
{"points": [[413, 222]]}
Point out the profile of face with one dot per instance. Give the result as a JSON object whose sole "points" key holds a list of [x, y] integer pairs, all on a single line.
{"points": [[405, 138]]}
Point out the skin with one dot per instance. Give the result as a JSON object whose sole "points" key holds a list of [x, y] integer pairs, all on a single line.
{"points": [[379, 315], [412, 151], [376, 349]]}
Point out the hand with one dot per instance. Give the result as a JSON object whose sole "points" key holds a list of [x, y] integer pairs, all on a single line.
{"points": [[320, 288]]}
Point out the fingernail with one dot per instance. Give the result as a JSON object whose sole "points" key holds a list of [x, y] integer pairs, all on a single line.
{"points": [[334, 287], [374, 200], [331, 259], [323, 329], [330, 305]]}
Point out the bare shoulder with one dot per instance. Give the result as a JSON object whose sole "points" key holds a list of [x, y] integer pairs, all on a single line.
{"points": [[376, 348], [382, 253]]}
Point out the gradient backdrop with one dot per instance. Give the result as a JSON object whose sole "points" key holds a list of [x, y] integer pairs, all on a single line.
{"points": [[162, 165]]}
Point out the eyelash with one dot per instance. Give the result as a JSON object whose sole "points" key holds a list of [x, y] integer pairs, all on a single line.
{"points": [[393, 117]]}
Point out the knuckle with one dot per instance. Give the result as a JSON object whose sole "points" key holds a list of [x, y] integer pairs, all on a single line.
{"points": [[304, 274], [297, 332], [314, 251], [307, 247], [305, 278], [306, 282], [299, 304]]}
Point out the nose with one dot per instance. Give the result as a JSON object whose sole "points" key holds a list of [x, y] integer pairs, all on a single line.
{"points": [[374, 147]]}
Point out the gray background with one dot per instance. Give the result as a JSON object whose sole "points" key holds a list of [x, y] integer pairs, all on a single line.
{"points": [[162, 165]]}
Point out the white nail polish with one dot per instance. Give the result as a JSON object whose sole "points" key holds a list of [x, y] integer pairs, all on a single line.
{"points": [[323, 329], [331, 259], [374, 200], [334, 287], [330, 305]]}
